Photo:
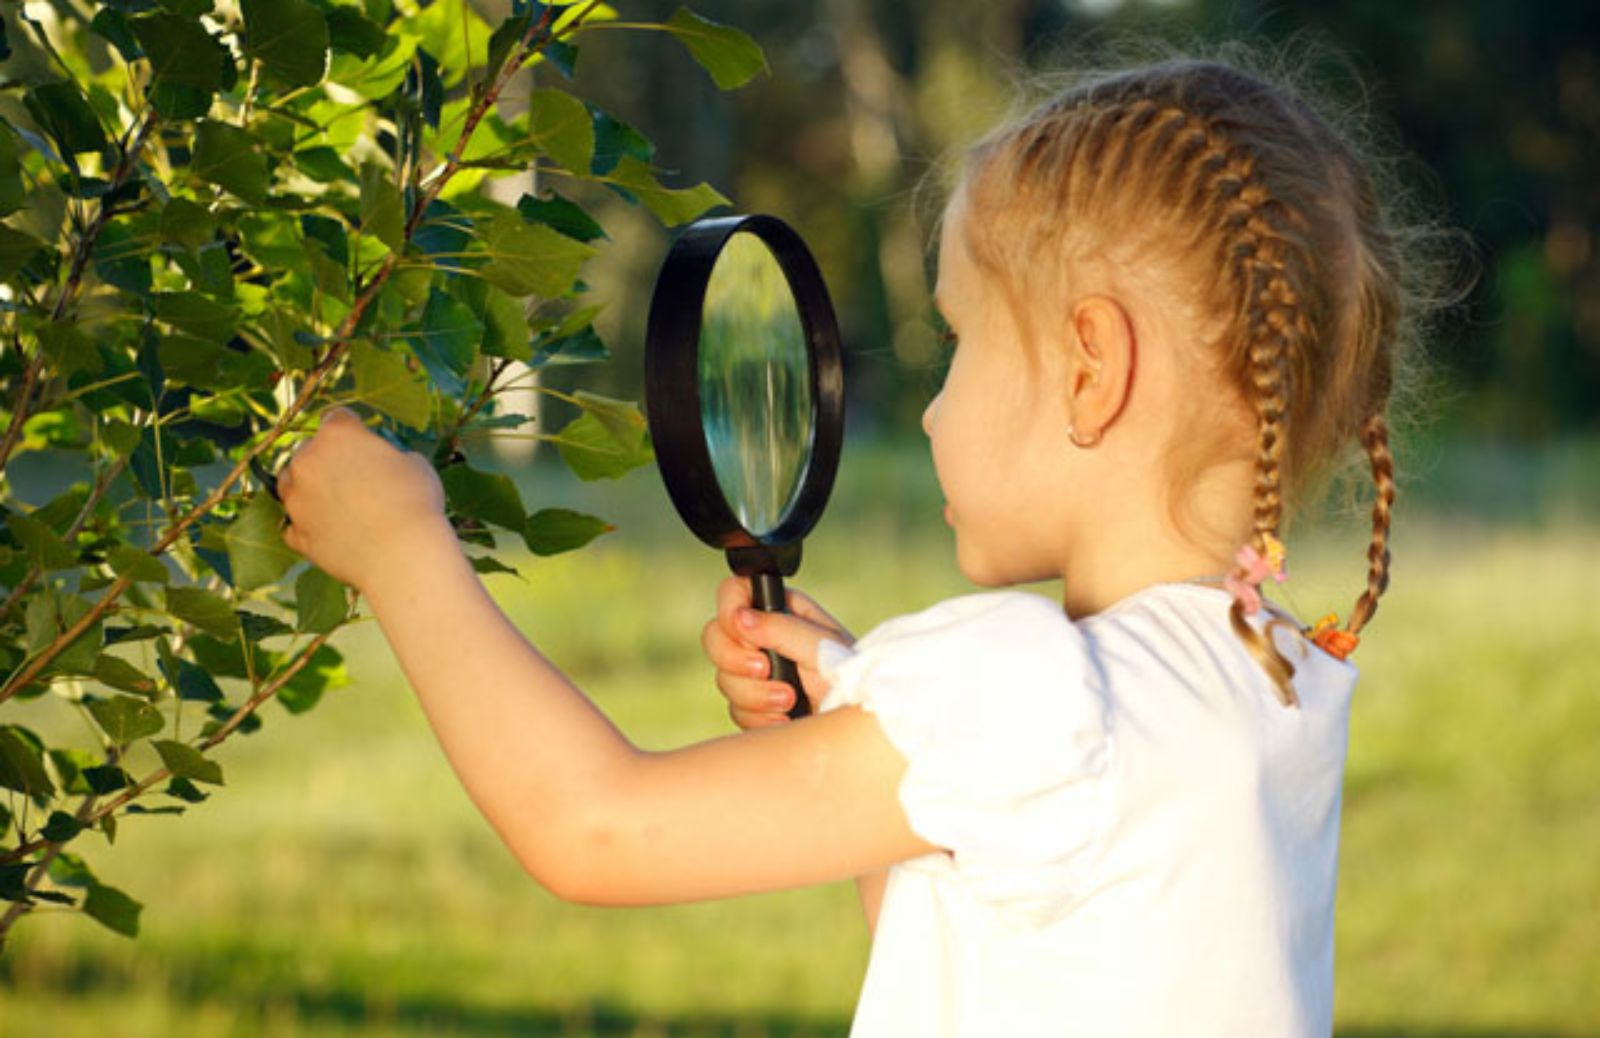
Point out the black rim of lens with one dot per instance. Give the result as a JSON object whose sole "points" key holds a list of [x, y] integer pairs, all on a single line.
{"points": [[672, 381]]}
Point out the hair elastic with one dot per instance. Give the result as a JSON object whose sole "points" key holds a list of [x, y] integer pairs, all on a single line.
{"points": [[1244, 584], [1328, 636]]}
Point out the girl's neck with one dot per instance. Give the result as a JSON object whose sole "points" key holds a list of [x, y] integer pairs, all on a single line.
{"points": [[1138, 542]]}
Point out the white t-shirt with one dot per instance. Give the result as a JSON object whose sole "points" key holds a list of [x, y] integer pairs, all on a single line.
{"points": [[1142, 840]]}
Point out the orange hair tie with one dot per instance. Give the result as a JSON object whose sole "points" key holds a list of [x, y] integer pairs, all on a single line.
{"points": [[1331, 639]]}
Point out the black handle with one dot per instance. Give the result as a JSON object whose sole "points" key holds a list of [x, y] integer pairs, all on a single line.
{"points": [[767, 595]]}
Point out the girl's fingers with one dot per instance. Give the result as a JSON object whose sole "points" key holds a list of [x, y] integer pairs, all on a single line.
{"points": [[730, 655], [754, 695]]}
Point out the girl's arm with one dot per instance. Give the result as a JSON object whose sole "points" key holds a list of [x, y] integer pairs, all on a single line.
{"points": [[733, 640], [589, 815]]}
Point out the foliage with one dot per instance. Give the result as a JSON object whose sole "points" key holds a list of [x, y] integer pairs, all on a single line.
{"points": [[219, 219]]}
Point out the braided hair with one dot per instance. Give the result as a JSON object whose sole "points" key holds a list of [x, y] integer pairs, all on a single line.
{"points": [[1267, 220]]}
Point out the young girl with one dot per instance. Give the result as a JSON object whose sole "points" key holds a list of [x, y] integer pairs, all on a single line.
{"points": [[1176, 300]]}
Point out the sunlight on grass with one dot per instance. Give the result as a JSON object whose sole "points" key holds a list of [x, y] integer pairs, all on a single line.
{"points": [[342, 884]]}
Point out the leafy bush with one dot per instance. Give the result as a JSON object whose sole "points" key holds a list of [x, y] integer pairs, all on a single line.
{"points": [[220, 218]]}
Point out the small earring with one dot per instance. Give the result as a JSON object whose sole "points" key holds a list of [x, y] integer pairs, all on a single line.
{"points": [[1085, 442]]}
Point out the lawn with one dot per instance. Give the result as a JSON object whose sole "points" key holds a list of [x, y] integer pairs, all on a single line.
{"points": [[343, 885]]}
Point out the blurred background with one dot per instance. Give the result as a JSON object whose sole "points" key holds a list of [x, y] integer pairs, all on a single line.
{"points": [[343, 885]]}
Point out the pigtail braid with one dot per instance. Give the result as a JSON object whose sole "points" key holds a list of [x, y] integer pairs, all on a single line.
{"points": [[1275, 330], [1375, 440]]}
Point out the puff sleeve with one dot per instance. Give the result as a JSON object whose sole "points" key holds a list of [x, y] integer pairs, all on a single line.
{"points": [[997, 707]]}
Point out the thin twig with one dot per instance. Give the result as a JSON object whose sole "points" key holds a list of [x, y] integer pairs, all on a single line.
{"points": [[94, 814], [108, 474]]}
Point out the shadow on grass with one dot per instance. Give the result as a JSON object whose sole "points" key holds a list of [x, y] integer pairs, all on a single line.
{"points": [[443, 1016]]}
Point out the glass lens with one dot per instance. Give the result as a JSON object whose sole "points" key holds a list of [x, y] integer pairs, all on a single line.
{"points": [[755, 384]]}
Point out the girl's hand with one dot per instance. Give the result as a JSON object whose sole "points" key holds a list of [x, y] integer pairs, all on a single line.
{"points": [[356, 505], [733, 641]]}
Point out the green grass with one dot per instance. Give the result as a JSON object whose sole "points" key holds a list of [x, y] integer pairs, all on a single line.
{"points": [[342, 884]]}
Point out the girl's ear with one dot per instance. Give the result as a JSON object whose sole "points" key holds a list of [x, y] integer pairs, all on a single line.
{"points": [[1100, 364]]}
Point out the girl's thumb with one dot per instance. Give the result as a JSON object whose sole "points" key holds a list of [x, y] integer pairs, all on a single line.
{"points": [[784, 633]]}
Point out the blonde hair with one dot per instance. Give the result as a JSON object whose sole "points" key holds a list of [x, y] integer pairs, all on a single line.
{"points": [[1276, 238]]}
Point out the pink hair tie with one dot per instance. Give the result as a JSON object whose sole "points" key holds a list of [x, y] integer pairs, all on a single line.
{"points": [[1244, 584]]}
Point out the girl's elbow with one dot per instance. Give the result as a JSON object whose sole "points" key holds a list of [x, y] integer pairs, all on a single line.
{"points": [[575, 860]]}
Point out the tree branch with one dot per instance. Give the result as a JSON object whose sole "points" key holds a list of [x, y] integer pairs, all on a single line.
{"points": [[89, 814], [330, 360]]}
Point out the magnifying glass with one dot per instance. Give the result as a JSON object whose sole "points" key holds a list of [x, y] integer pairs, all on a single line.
{"points": [[744, 394]]}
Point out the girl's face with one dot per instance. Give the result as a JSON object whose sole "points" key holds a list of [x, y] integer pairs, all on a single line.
{"points": [[990, 430]]}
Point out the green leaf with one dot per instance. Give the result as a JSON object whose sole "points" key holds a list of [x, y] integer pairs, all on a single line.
{"points": [[581, 347], [206, 365], [208, 611], [613, 139], [79, 655], [186, 791], [731, 57], [289, 37], [69, 870], [561, 215], [672, 206], [14, 878], [22, 763], [446, 341], [560, 126], [118, 673], [112, 26], [620, 417], [44, 548], [66, 117], [107, 778], [385, 381], [128, 561], [486, 564], [551, 531], [13, 195], [184, 761], [376, 77], [187, 223], [69, 349], [181, 52], [124, 718], [61, 827], [488, 496], [260, 626], [230, 158], [592, 451], [321, 603], [382, 215], [322, 164], [256, 551], [16, 249], [349, 32], [505, 331], [325, 670], [531, 259], [186, 8], [39, 618], [70, 765], [113, 909], [191, 683], [194, 313]]}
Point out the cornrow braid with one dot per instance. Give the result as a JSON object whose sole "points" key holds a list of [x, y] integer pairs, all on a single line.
{"points": [[1267, 261]]}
